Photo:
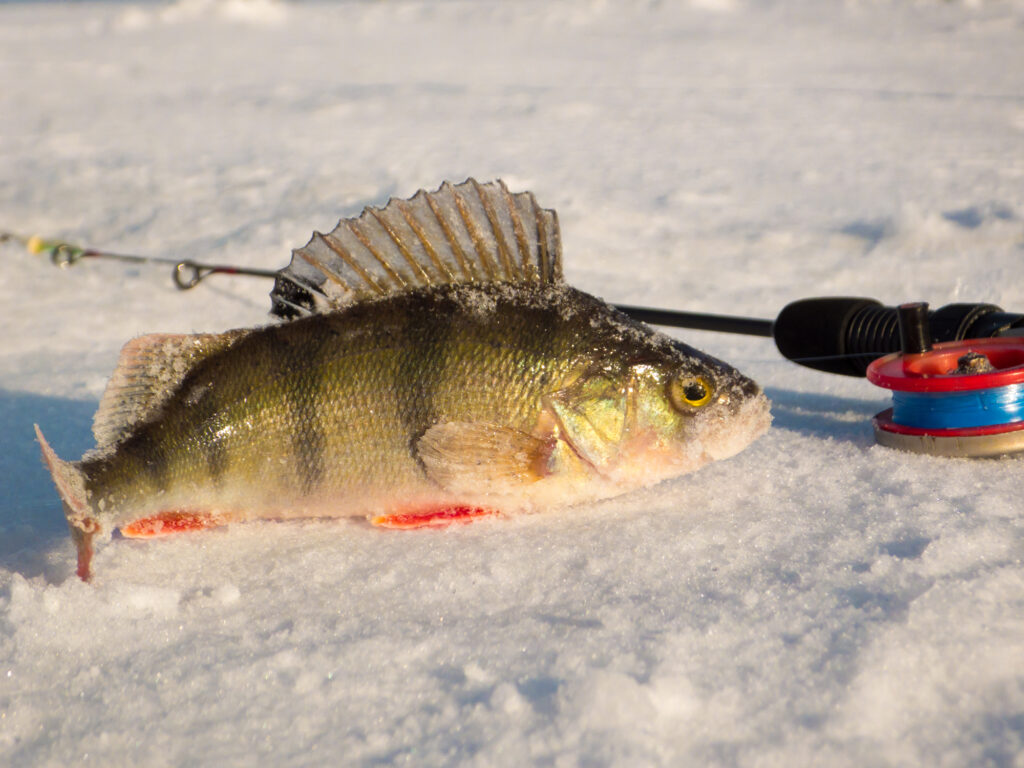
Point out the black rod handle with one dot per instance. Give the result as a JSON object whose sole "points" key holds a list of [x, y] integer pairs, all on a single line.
{"points": [[843, 334], [750, 326]]}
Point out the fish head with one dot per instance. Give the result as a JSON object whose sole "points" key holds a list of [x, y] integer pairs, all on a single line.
{"points": [[645, 418], [688, 409]]}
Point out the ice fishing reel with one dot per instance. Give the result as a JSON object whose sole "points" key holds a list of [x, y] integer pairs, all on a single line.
{"points": [[956, 398], [960, 397]]}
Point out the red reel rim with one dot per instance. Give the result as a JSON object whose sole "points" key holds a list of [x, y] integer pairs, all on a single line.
{"points": [[926, 372], [949, 443]]}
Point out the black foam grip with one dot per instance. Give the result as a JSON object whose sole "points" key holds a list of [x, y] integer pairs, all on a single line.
{"points": [[843, 334], [836, 334]]}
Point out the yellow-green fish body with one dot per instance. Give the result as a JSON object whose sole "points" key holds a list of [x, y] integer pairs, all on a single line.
{"points": [[505, 392]]}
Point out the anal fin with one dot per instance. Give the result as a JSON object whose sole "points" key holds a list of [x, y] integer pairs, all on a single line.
{"points": [[170, 522]]}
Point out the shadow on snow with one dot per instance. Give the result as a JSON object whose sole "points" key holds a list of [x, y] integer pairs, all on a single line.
{"points": [[846, 419], [31, 521]]}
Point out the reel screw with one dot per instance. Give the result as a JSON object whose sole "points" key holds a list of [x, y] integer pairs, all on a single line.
{"points": [[915, 333]]}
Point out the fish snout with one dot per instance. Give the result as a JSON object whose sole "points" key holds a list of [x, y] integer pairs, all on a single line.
{"points": [[748, 388], [736, 391], [747, 417]]}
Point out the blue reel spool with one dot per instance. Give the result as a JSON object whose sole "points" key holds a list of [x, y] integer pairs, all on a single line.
{"points": [[958, 398]]}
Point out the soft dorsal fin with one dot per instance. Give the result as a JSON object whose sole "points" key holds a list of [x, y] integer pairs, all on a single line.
{"points": [[148, 372], [466, 233]]}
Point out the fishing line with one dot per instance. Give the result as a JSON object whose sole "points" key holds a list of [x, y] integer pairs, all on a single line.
{"points": [[980, 408]]}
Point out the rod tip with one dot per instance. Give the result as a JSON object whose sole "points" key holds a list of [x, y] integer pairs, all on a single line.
{"points": [[35, 244]]}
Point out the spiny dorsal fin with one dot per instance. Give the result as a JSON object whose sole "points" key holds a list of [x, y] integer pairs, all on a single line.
{"points": [[148, 372], [467, 233]]}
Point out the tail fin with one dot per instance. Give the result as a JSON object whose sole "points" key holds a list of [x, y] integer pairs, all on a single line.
{"points": [[70, 482]]}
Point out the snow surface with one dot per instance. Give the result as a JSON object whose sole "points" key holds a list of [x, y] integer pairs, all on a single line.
{"points": [[816, 600]]}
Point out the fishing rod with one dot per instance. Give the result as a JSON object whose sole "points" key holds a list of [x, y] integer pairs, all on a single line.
{"points": [[956, 373], [186, 273], [840, 335]]}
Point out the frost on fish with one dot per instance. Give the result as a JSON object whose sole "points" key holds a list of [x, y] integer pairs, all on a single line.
{"points": [[438, 370]]}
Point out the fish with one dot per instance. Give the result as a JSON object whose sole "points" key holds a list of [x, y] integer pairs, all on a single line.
{"points": [[430, 365]]}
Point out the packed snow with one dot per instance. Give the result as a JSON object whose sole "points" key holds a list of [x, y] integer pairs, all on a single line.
{"points": [[815, 600]]}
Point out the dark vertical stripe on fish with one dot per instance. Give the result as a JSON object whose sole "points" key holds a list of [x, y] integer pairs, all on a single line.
{"points": [[209, 411], [148, 450], [301, 397], [216, 461], [421, 367], [546, 340]]}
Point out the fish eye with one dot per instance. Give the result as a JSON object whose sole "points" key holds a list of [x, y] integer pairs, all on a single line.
{"points": [[689, 392]]}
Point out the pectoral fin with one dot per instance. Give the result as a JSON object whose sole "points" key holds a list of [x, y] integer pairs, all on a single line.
{"points": [[469, 458]]}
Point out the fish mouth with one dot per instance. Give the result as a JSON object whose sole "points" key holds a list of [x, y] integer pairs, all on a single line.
{"points": [[750, 419]]}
